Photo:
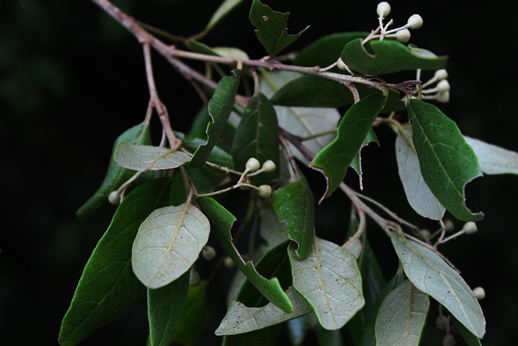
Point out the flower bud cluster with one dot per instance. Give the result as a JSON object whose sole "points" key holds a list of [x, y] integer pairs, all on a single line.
{"points": [[441, 91], [254, 167], [402, 33]]}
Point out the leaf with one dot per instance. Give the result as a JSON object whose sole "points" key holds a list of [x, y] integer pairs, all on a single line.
{"points": [[335, 158], [257, 136], [142, 158], [108, 288], [315, 91], [242, 319], [388, 56], [432, 275], [301, 121], [221, 222], [194, 315], [271, 28], [165, 306], [294, 206], [356, 164], [329, 279], [168, 243], [116, 175], [417, 192], [325, 50], [223, 9], [494, 159], [471, 340], [447, 162], [220, 107], [402, 316]]}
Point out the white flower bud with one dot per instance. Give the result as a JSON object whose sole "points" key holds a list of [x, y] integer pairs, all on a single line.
{"points": [[449, 225], [448, 340], [440, 74], [194, 277], [383, 9], [114, 198], [442, 322], [208, 252], [341, 65], [402, 35], [252, 164], [470, 227], [414, 22], [479, 293], [444, 97], [269, 166], [264, 190], [443, 86]]}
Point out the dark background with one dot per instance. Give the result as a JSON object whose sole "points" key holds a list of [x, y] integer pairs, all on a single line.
{"points": [[71, 80]]}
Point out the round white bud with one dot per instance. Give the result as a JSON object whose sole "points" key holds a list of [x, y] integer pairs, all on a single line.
{"points": [[425, 233], [208, 252], [228, 262], [443, 86], [414, 22], [264, 190], [440, 74], [442, 322], [448, 340], [403, 35], [194, 277], [252, 164], [444, 97], [341, 65], [479, 293], [470, 227], [383, 9], [114, 198], [449, 225], [269, 166]]}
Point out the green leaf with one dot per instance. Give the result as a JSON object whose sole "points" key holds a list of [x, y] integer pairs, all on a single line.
{"points": [[142, 158], [335, 158], [220, 107], [432, 275], [402, 316], [271, 28], [165, 307], [257, 136], [388, 56], [325, 50], [330, 281], [417, 192], [356, 164], [221, 222], [116, 175], [471, 340], [108, 287], [494, 159], [223, 9], [315, 91], [447, 162], [194, 315], [242, 319], [294, 206], [168, 243]]}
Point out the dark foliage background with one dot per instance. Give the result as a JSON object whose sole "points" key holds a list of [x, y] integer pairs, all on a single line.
{"points": [[71, 80]]}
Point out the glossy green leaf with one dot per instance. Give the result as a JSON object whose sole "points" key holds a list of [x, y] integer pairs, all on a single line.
{"points": [[492, 158], [314, 91], [220, 107], [194, 315], [388, 56], [402, 316], [222, 11], [325, 50], [142, 158], [356, 164], [294, 206], [165, 307], [271, 28], [432, 275], [108, 287], [168, 243], [242, 319], [257, 136], [335, 158], [221, 221], [116, 175], [330, 281], [447, 162], [417, 192], [313, 122]]}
